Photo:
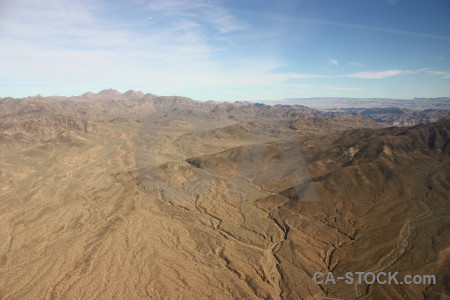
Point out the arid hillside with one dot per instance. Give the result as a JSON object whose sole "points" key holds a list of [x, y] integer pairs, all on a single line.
{"points": [[136, 196]]}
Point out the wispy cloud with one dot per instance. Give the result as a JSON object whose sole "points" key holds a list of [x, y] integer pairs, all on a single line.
{"points": [[323, 87], [204, 12], [342, 88], [382, 74], [392, 2], [66, 34], [375, 75], [382, 29], [366, 74], [334, 61], [358, 64], [318, 21], [442, 74], [305, 76]]}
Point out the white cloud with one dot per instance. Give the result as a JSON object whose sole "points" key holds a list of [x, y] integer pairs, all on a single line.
{"points": [[375, 75], [305, 76], [334, 61], [383, 74], [321, 87], [443, 74], [342, 88], [358, 64], [364, 75]]}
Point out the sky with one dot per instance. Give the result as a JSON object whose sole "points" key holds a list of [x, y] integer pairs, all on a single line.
{"points": [[226, 50]]}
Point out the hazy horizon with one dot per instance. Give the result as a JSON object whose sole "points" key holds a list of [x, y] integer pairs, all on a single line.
{"points": [[123, 91]]}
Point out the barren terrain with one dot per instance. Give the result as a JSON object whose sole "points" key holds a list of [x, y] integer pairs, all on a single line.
{"points": [[134, 196]]}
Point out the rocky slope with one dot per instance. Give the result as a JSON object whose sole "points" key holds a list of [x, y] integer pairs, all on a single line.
{"points": [[137, 196]]}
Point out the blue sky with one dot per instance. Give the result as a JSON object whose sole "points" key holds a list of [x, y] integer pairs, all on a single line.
{"points": [[226, 50]]}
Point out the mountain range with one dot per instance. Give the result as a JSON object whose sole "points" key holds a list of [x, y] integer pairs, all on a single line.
{"points": [[138, 196]]}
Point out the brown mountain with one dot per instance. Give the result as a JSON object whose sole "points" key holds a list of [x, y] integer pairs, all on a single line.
{"points": [[137, 196]]}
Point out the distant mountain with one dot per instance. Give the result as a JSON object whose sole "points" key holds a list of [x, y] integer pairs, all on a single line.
{"points": [[394, 116], [113, 103], [325, 103]]}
